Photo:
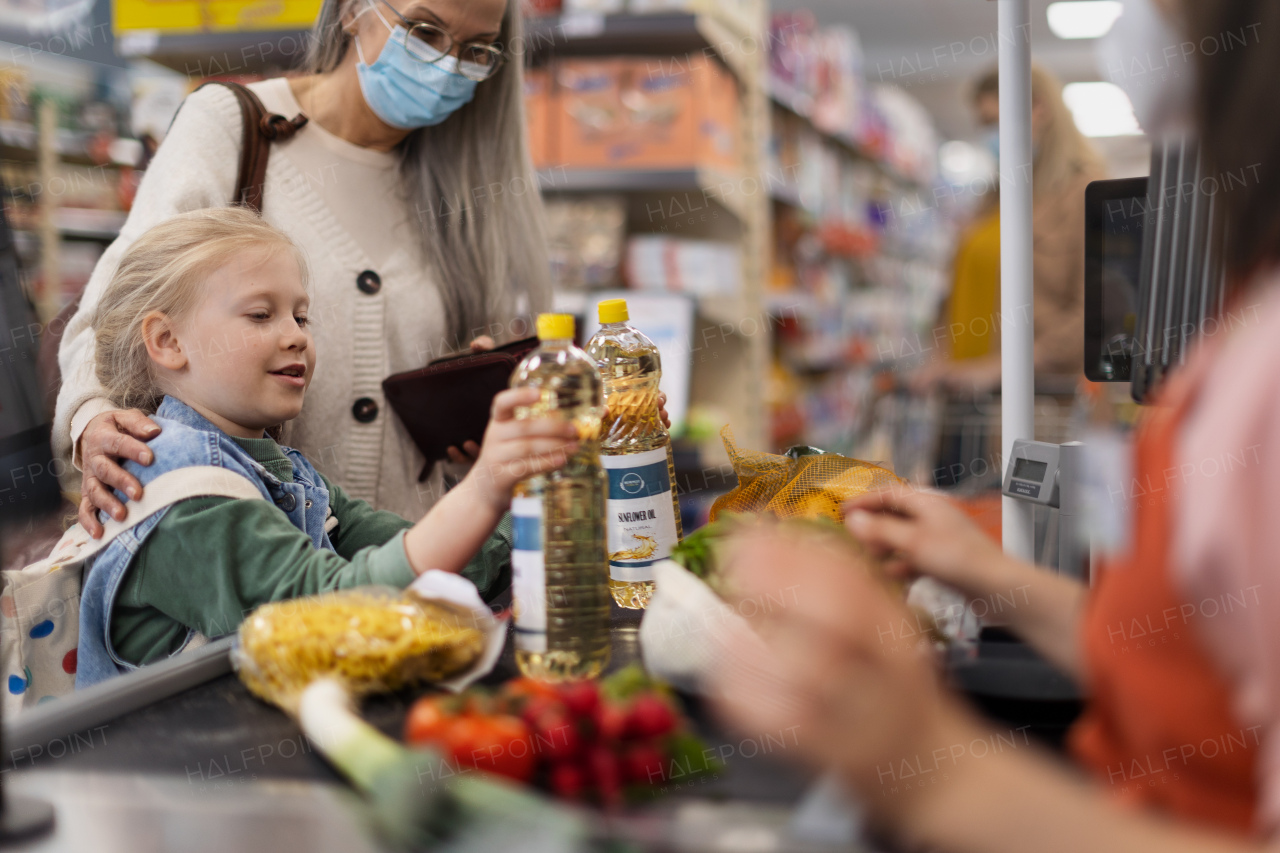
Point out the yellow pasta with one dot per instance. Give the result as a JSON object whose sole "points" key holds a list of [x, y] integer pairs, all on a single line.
{"points": [[370, 638]]}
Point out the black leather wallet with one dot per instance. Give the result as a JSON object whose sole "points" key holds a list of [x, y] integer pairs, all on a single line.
{"points": [[447, 403]]}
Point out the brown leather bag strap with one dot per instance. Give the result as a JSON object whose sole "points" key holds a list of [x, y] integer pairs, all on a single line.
{"points": [[260, 129]]}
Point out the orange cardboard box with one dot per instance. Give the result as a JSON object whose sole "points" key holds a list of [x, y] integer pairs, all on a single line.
{"points": [[537, 115], [646, 113]]}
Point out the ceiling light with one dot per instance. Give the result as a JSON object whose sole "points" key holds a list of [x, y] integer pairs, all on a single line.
{"points": [[1101, 109], [1083, 19]]}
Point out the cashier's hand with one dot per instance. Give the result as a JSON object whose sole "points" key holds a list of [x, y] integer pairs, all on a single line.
{"points": [[107, 440], [924, 533], [513, 449], [837, 676]]}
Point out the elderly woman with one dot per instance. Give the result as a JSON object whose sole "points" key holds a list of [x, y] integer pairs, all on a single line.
{"points": [[412, 105]]}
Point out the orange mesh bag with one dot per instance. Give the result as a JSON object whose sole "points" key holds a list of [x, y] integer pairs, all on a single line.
{"points": [[803, 483]]}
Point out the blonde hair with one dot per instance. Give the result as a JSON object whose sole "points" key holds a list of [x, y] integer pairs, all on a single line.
{"points": [[165, 270], [1064, 153]]}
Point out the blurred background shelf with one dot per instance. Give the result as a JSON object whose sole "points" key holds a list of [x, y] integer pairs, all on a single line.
{"points": [[88, 223], [707, 186], [799, 104], [657, 34], [208, 54]]}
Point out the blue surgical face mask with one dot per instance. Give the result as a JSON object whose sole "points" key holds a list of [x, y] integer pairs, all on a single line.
{"points": [[406, 92]]}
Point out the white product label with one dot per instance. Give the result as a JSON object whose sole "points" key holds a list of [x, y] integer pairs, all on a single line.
{"points": [[529, 575], [641, 517]]}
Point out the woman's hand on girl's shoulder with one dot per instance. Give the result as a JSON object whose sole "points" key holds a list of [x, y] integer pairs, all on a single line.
{"points": [[516, 449], [107, 440]]}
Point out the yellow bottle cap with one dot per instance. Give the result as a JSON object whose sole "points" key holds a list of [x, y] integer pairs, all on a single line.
{"points": [[555, 327], [614, 311]]}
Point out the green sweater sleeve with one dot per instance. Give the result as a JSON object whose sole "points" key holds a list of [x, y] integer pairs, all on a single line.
{"points": [[360, 526], [212, 560]]}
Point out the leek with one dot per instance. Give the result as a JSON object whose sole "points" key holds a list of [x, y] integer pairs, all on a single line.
{"points": [[416, 799]]}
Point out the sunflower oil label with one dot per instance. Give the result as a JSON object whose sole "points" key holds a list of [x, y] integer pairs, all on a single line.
{"points": [[641, 517], [529, 575]]}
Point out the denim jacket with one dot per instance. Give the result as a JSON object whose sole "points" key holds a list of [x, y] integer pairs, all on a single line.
{"points": [[186, 439]]}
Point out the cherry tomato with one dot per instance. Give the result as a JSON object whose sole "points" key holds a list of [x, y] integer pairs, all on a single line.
{"points": [[530, 687], [498, 744], [533, 708], [426, 722], [460, 739], [514, 756]]}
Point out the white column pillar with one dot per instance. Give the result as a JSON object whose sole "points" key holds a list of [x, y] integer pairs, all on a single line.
{"points": [[1017, 384]]}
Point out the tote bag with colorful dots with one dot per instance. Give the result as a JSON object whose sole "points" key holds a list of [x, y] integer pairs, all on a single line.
{"points": [[40, 605]]}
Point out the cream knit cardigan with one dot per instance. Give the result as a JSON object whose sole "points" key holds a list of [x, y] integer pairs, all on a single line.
{"points": [[361, 338]]}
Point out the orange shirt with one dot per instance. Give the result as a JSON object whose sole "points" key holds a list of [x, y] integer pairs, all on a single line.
{"points": [[1160, 730]]}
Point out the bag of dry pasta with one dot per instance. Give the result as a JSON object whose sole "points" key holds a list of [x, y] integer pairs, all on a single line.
{"points": [[371, 639], [803, 483]]}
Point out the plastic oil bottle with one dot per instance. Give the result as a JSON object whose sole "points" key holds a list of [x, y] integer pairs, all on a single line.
{"points": [[560, 575], [642, 512]]}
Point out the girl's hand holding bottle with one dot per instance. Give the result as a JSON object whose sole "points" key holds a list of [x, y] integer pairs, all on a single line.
{"points": [[455, 528], [515, 449]]}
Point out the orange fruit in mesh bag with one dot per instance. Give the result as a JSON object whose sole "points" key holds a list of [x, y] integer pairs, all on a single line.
{"points": [[813, 486]]}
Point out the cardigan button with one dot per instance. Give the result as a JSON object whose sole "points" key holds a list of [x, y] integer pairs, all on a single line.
{"points": [[365, 410], [369, 282], [287, 502]]}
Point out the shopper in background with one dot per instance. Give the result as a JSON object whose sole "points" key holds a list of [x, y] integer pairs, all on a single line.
{"points": [[1064, 164], [1177, 640], [411, 192]]}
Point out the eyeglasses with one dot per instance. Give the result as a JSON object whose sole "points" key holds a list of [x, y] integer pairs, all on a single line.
{"points": [[429, 43]]}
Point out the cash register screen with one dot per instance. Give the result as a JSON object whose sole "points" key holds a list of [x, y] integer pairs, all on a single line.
{"points": [[1029, 469], [1114, 214]]}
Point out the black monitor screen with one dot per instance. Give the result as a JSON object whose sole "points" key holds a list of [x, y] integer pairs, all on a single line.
{"points": [[1114, 214], [1029, 469]]}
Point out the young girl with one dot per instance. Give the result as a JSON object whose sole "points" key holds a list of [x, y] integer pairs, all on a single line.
{"points": [[205, 323]]}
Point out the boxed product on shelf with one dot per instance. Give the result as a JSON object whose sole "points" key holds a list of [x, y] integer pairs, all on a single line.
{"points": [[540, 8], [537, 115], [791, 56], [912, 142], [645, 112], [585, 240], [839, 86], [696, 267]]}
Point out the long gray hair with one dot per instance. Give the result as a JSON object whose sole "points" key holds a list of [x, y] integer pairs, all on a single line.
{"points": [[473, 190]]}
